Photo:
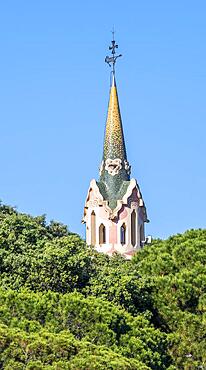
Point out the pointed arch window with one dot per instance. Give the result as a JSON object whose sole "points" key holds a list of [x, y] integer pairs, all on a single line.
{"points": [[123, 234], [133, 228], [93, 228], [102, 234]]}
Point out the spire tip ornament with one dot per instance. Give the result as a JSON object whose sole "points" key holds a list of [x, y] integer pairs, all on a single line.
{"points": [[111, 60]]}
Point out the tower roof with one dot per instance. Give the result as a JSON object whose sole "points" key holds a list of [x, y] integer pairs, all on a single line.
{"points": [[114, 144], [115, 170]]}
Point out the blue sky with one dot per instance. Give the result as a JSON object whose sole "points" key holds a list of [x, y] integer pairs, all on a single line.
{"points": [[54, 88]]}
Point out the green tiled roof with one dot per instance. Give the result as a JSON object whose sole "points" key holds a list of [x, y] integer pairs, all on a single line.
{"points": [[111, 196]]}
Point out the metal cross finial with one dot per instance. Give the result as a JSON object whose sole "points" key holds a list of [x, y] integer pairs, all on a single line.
{"points": [[111, 60]]}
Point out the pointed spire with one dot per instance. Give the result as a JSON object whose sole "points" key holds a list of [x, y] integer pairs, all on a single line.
{"points": [[114, 170], [114, 145]]}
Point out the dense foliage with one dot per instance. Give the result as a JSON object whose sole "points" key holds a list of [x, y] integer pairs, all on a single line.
{"points": [[64, 306]]}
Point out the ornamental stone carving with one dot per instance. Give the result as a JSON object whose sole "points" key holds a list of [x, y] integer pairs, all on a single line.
{"points": [[113, 166], [93, 203], [127, 167], [134, 205]]}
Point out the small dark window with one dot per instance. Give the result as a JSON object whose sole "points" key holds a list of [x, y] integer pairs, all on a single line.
{"points": [[123, 234], [133, 228], [102, 234], [93, 228]]}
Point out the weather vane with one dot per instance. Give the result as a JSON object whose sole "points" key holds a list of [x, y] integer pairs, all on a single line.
{"points": [[111, 60]]}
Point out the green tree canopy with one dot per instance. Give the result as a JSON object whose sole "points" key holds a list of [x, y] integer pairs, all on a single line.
{"points": [[65, 306]]}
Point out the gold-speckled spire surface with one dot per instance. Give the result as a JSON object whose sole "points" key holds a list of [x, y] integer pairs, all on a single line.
{"points": [[114, 169], [114, 145]]}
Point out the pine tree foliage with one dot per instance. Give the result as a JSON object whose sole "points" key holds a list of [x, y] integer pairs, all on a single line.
{"points": [[64, 306]]}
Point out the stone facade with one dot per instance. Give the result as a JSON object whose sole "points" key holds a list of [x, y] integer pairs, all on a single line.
{"points": [[127, 218]]}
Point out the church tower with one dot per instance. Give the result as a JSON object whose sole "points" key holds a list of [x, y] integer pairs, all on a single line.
{"points": [[114, 211]]}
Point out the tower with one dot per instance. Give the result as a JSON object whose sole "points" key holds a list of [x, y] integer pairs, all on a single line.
{"points": [[114, 211]]}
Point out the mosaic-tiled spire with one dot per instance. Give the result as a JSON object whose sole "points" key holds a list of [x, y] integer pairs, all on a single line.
{"points": [[115, 169], [114, 145]]}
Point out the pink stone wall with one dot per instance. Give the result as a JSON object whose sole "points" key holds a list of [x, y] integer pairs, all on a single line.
{"points": [[123, 213], [91, 195], [113, 233], [103, 213]]}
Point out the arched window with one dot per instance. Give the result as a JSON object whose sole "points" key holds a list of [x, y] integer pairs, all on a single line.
{"points": [[133, 228], [93, 228], [102, 234], [123, 234]]}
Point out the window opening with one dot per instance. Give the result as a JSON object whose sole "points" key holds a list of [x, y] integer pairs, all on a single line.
{"points": [[123, 234], [133, 228], [93, 228], [102, 234]]}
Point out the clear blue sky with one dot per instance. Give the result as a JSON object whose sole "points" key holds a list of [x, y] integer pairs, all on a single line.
{"points": [[54, 88]]}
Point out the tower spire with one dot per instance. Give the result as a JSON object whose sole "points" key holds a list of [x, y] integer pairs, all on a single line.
{"points": [[114, 210], [115, 169], [114, 143]]}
